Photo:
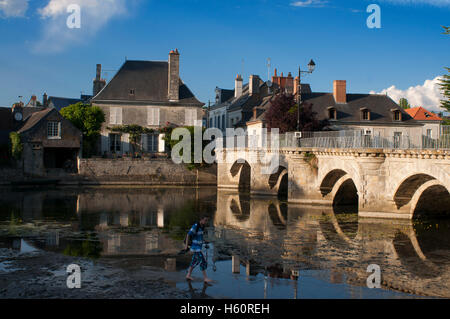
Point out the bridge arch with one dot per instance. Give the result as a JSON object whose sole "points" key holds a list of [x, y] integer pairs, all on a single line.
{"points": [[278, 181], [424, 194], [242, 169]]}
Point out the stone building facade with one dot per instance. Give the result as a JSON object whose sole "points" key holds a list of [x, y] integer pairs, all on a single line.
{"points": [[150, 94]]}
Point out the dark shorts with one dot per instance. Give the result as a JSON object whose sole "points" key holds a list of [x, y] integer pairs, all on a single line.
{"points": [[197, 259]]}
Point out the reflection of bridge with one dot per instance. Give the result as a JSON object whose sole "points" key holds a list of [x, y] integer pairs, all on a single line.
{"points": [[383, 183], [264, 232]]}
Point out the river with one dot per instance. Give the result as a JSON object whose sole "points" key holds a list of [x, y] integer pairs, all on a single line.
{"points": [[128, 242]]}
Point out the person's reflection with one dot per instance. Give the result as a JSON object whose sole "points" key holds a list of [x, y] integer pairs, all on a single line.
{"points": [[195, 294]]}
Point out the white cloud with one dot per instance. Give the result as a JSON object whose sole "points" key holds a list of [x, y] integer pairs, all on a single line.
{"points": [[309, 3], [95, 14], [13, 8], [436, 3], [427, 95]]}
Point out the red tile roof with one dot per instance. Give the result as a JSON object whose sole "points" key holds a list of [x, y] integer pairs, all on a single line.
{"points": [[421, 114]]}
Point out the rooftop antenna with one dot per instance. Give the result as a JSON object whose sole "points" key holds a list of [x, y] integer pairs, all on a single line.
{"points": [[268, 69]]}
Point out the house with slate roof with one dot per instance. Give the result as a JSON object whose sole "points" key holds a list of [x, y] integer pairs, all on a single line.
{"points": [[150, 94], [372, 114]]}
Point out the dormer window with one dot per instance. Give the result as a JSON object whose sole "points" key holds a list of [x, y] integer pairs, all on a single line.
{"points": [[365, 114], [132, 91], [332, 113], [397, 115]]}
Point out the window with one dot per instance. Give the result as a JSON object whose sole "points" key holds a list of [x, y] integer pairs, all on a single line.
{"points": [[211, 122], [132, 91], [54, 130], [115, 115], [397, 139], [114, 143], [190, 116], [332, 114], [223, 122], [153, 116], [152, 143], [429, 133], [397, 116], [365, 114]]}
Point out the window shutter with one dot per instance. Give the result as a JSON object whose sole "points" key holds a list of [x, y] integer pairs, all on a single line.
{"points": [[144, 142], [119, 115], [125, 143], [156, 112], [112, 115]]}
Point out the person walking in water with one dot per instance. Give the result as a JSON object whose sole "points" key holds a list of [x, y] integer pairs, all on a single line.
{"points": [[196, 235]]}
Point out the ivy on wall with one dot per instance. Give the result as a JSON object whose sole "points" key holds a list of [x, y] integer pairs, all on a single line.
{"points": [[135, 132], [16, 145]]}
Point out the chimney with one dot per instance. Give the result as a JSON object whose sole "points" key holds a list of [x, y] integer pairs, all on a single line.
{"points": [[340, 91], [296, 84], [45, 100], [289, 84], [174, 75], [99, 83], [238, 86], [253, 85]]}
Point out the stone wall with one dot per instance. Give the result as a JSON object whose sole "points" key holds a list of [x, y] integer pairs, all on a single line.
{"points": [[144, 171]]}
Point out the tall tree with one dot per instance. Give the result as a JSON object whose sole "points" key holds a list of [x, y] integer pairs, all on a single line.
{"points": [[88, 119], [445, 82], [404, 104], [283, 114]]}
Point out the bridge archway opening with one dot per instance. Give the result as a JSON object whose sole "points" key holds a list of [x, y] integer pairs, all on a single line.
{"points": [[346, 197], [330, 180], [242, 168], [434, 201], [279, 180], [408, 188]]}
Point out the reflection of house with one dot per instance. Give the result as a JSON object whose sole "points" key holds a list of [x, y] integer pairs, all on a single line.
{"points": [[49, 141], [149, 94], [431, 122]]}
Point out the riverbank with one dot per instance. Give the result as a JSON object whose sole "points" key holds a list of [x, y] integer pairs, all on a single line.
{"points": [[42, 274], [124, 171]]}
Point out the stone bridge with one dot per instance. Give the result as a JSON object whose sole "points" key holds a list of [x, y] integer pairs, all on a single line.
{"points": [[382, 183]]}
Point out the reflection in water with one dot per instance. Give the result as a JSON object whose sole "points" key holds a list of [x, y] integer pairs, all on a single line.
{"points": [[257, 243]]}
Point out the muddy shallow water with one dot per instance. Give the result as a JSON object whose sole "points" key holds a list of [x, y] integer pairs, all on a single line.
{"points": [[127, 242]]}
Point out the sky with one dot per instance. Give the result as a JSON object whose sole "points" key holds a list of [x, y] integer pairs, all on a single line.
{"points": [[219, 39]]}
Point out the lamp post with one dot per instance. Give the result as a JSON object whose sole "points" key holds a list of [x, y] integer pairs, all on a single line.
{"points": [[311, 67]]}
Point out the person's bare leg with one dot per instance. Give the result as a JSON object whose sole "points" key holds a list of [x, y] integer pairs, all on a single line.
{"points": [[188, 276], [205, 277]]}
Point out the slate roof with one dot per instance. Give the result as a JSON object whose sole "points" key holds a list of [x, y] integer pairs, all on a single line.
{"points": [[421, 114], [34, 119], [380, 107], [149, 80], [62, 102]]}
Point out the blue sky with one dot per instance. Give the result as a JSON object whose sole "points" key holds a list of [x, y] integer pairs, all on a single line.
{"points": [[40, 54]]}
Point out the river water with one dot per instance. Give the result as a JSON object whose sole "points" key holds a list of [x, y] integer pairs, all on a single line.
{"points": [[258, 247]]}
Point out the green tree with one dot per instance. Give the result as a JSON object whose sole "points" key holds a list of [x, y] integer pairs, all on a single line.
{"points": [[404, 104], [445, 82], [88, 119]]}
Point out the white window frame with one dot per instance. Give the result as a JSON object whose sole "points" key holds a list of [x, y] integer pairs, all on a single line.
{"points": [[115, 115], [153, 116], [51, 126], [190, 117], [153, 143], [117, 142]]}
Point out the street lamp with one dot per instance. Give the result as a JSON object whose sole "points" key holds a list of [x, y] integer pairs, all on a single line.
{"points": [[311, 67]]}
